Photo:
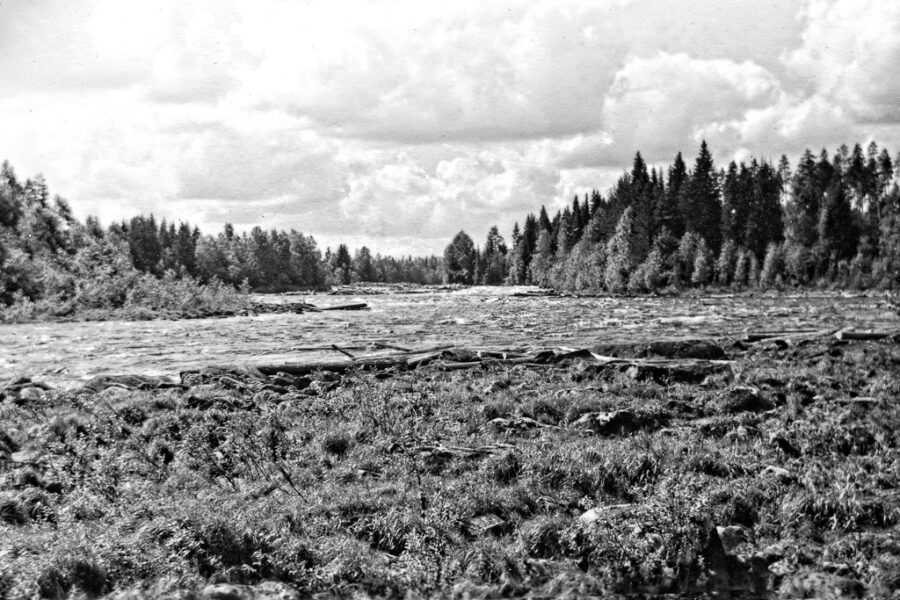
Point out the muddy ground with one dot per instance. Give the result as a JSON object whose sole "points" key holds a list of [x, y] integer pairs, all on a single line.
{"points": [[581, 458]]}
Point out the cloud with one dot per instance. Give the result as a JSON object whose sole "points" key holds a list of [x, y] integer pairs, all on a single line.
{"points": [[468, 192], [396, 123], [661, 104], [849, 55]]}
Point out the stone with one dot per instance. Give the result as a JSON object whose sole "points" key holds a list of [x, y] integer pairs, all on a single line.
{"points": [[744, 399], [732, 536], [612, 511], [778, 473], [30, 394], [815, 584], [687, 348], [487, 523], [676, 371], [619, 422]]}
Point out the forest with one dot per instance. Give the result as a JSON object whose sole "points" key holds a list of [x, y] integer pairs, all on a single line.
{"points": [[832, 221], [52, 264]]}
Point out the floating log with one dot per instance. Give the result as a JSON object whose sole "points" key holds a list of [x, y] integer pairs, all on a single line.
{"points": [[354, 306], [344, 352], [391, 346], [334, 367], [865, 336], [759, 336]]}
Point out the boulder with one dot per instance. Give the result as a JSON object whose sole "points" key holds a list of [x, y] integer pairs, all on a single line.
{"points": [[675, 371], [686, 348], [129, 382], [744, 399], [612, 511], [620, 421], [267, 590]]}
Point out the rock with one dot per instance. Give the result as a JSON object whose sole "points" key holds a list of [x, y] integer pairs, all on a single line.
{"points": [[687, 348], [7, 444], [744, 399], [275, 590], [785, 445], [619, 422], [773, 472], [30, 394], [816, 584], [675, 372], [732, 536], [267, 590], [496, 386], [129, 382], [613, 511], [487, 523]]}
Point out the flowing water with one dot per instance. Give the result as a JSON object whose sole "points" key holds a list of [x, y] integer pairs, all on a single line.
{"points": [[66, 354]]}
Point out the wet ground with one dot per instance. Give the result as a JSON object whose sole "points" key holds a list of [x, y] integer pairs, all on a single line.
{"points": [[65, 354]]}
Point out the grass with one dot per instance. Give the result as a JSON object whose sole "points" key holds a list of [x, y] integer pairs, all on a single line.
{"points": [[434, 484]]}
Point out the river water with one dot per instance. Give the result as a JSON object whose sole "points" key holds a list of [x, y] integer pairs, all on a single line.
{"points": [[66, 354]]}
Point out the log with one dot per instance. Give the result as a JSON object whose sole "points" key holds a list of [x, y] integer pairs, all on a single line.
{"points": [[865, 336], [391, 346], [759, 336], [354, 306], [344, 352], [333, 367]]}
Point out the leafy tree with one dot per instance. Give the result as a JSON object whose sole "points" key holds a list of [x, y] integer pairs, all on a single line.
{"points": [[459, 260], [363, 267], [622, 258], [702, 272], [542, 260]]}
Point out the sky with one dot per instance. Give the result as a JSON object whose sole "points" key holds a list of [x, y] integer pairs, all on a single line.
{"points": [[395, 124]]}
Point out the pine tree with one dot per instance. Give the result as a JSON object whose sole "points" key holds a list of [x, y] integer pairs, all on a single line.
{"points": [[763, 214], [733, 206], [494, 257], [838, 235], [699, 201], [802, 210], [342, 265], [670, 215]]}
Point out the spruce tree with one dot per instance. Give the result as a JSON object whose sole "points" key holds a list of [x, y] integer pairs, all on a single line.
{"points": [[670, 213], [802, 209], [699, 201], [838, 234]]}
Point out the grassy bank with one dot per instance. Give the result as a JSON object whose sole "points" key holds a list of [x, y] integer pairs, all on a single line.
{"points": [[552, 480], [130, 297]]}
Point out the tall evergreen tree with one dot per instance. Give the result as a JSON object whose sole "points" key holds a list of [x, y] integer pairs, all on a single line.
{"points": [[699, 201], [670, 214]]}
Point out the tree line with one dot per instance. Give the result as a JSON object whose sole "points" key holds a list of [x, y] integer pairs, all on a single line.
{"points": [[48, 254], [832, 220]]}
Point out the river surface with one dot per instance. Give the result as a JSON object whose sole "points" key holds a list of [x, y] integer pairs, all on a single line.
{"points": [[66, 354]]}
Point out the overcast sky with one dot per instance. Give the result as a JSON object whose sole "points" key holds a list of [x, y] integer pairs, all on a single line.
{"points": [[395, 124]]}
